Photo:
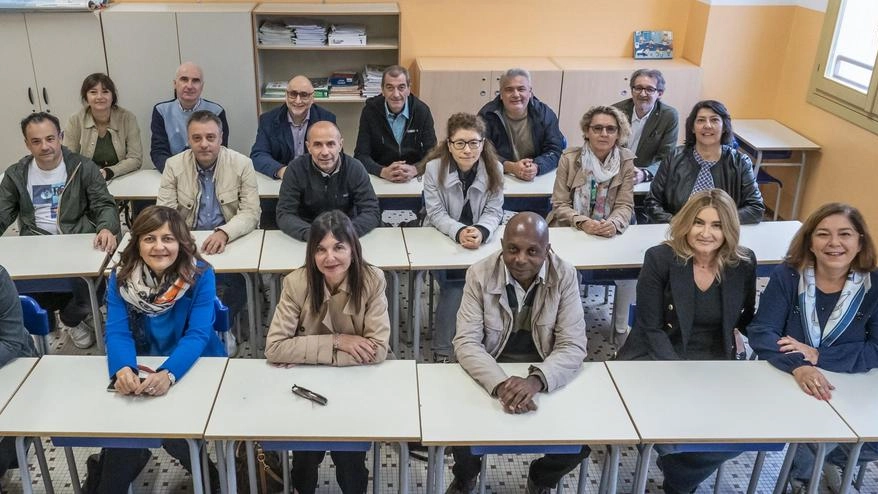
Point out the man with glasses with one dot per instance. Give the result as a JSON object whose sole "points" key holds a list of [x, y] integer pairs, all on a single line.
{"points": [[654, 125], [523, 129], [281, 136]]}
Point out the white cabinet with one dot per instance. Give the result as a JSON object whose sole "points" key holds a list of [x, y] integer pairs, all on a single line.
{"points": [[41, 70], [456, 84], [145, 44]]}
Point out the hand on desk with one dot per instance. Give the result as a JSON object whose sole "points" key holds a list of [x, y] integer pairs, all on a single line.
{"points": [[105, 241], [470, 237], [603, 228], [788, 344], [524, 169], [516, 394], [398, 172], [363, 350], [155, 384], [215, 243], [813, 382]]}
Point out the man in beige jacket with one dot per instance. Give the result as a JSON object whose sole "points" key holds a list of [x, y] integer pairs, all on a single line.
{"points": [[213, 188], [521, 305]]}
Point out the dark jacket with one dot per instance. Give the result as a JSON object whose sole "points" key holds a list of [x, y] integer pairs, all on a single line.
{"points": [[659, 137], [376, 146], [547, 137], [274, 148], [305, 193], [676, 176], [85, 205], [14, 339], [856, 350], [665, 305]]}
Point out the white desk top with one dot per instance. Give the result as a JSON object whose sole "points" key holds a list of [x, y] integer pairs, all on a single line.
{"points": [[66, 395], [429, 248], [51, 256], [854, 398], [382, 247], [12, 375], [541, 186], [770, 135], [769, 240], [268, 188], [141, 184], [240, 256], [388, 189], [365, 403], [456, 410], [722, 401], [642, 187]]}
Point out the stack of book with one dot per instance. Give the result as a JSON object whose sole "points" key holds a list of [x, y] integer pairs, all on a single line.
{"points": [[321, 86], [345, 83], [347, 35], [371, 81], [275, 89], [307, 32], [275, 33]]}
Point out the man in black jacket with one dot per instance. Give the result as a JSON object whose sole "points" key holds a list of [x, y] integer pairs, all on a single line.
{"points": [[323, 180]]}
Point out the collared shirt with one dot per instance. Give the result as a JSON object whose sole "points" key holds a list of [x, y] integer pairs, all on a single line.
{"points": [[298, 132], [323, 173], [637, 125], [191, 110], [397, 121], [210, 215], [520, 293]]}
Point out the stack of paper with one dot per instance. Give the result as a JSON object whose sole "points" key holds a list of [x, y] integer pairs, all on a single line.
{"points": [[347, 34], [307, 32], [275, 33], [321, 86], [372, 81], [275, 89]]}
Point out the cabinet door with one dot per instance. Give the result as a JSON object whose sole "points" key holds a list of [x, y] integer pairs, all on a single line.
{"points": [[222, 44], [142, 58], [66, 48], [582, 89], [450, 92], [546, 86], [17, 86]]}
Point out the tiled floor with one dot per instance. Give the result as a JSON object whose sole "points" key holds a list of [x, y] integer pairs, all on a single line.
{"points": [[506, 474]]}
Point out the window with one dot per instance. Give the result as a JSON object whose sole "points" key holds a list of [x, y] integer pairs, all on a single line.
{"points": [[844, 81]]}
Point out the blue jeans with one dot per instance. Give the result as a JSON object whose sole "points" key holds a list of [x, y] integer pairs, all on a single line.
{"points": [[836, 454], [451, 283], [232, 291], [684, 472]]}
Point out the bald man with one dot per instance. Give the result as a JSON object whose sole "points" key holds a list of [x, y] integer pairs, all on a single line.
{"points": [[322, 180], [509, 291], [169, 118]]}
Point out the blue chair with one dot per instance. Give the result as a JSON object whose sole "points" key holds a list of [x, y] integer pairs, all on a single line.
{"points": [[36, 321]]}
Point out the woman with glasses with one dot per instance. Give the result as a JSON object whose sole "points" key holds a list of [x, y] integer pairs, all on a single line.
{"points": [[160, 301], [463, 196], [705, 161], [594, 187], [333, 311], [819, 312]]}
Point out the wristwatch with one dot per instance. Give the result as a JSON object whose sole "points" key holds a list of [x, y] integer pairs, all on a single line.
{"points": [[172, 378]]}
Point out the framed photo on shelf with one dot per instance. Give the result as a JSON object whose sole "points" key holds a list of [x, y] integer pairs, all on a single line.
{"points": [[653, 44]]}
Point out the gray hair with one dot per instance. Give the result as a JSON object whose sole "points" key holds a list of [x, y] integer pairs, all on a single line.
{"points": [[395, 71], [653, 73], [514, 72]]}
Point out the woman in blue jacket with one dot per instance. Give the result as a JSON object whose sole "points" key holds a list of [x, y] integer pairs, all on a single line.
{"points": [[160, 301], [820, 311]]}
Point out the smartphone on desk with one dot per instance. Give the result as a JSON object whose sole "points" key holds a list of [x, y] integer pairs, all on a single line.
{"points": [[112, 386]]}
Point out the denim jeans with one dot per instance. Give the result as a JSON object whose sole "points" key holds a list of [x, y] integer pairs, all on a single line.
{"points": [[451, 282], [545, 472], [836, 454], [684, 472], [350, 470], [232, 291]]}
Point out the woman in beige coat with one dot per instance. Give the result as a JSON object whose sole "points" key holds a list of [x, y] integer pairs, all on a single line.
{"points": [[594, 185], [333, 311]]}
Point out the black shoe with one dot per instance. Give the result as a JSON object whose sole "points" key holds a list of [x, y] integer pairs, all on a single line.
{"points": [[418, 451], [460, 486]]}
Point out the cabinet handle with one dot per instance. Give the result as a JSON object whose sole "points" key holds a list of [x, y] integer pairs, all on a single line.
{"points": [[45, 96], [30, 94]]}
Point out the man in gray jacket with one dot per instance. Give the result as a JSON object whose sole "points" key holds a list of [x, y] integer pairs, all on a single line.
{"points": [[532, 296]]}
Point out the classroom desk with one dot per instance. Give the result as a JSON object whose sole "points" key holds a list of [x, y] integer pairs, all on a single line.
{"points": [[382, 247], [769, 135], [457, 411], [856, 402], [642, 188], [769, 240], [51, 403], [677, 402], [32, 257], [12, 375], [369, 403], [140, 184], [428, 248]]}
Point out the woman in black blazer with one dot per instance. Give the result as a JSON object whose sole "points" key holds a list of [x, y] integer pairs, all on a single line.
{"points": [[700, 265]]}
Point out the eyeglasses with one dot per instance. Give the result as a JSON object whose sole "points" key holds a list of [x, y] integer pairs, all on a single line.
{"points": [[644, 89], [473, 144], [299, 94], [610, 129], [309, 395]]}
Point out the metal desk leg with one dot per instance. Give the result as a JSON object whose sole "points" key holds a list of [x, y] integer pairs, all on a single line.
{"points": [[96, 313], [231, 477], [21, 451], [394, 312], [613, 471], [605, 472], [416, 282], [814, 485], [781, 484], [376, 467], [285, 461], [756, 473], [440, 469], [642, 469], [194, 460], [853, 457], [44, 466], [220, 448], [583, 477], [758, 164], [251, 315], [403, 467], [798, 187], [74, 473], [251, 465]]}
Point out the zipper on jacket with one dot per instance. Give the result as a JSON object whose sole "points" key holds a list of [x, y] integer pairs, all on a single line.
{"points": [[60, 197]]}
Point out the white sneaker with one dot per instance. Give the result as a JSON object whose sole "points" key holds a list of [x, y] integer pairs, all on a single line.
{"points": [[798, 487], [83, 334], [833, 477]]}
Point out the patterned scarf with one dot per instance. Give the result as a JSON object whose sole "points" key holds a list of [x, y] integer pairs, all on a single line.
{"points": [[591, 199], [855, 288], [149, 294]]}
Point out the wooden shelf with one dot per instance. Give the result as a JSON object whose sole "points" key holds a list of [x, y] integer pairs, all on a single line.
{"points": [[326, 9], [379, 44], [332, 99]]}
